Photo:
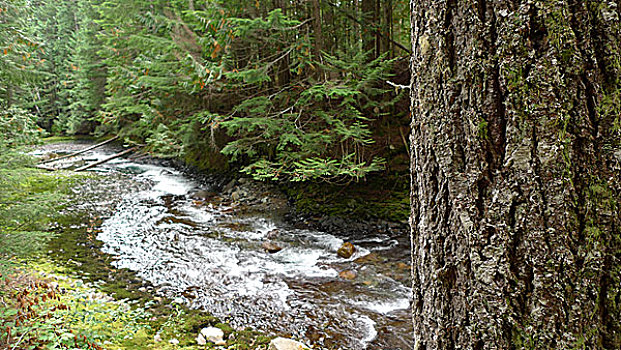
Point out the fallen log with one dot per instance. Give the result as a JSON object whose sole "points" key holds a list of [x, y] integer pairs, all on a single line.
{"points": [[80, 152], [105, 160], [43, 167]]}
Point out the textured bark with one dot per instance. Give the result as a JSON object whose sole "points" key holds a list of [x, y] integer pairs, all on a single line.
{"points": [[516, 180]]}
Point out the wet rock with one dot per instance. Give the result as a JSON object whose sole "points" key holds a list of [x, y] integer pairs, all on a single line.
{"points": [[348, 274], [229, 187], [404, 266], [313, 334], [236, 195], [271, 247], [286, 344], [371, 258], [203, 195], [346, 250], [214, 335], [272, 234]]}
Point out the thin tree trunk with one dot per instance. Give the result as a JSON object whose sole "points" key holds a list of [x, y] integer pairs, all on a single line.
{"points": [[318, 35], [516, 185], [368, 34]]}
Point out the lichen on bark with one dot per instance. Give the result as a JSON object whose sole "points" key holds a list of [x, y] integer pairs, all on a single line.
{"points": [[516, 230]]}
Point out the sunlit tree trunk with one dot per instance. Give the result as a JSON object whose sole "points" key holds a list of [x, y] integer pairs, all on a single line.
{"points": [[516, 174]]}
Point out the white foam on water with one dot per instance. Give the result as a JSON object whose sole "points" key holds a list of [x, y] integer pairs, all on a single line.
{"points": [[323, 239], [200, 215], [369, 330], [228, 274], [299, 262], [386, 306]]}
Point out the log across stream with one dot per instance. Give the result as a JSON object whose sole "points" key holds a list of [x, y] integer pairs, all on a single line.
{"points": [[207, 253]]}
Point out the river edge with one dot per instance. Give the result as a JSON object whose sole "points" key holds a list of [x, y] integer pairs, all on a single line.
{"points": [[381, 202]]}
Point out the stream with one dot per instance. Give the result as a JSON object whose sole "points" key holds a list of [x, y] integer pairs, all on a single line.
{"points": [[207, 253]]}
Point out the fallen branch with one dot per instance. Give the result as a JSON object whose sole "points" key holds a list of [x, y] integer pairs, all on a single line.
{"points": [[80, 152], [105, 160], [43, 167]]}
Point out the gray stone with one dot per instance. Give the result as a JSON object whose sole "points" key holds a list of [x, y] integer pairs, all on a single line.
{"points": [[286, 344], [203, 195], [229, 187]]}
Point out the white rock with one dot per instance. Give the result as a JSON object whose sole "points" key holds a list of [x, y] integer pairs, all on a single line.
{"points": [[214, 335], [174, 341], [286, 344], [157, 338], [201, 340]]}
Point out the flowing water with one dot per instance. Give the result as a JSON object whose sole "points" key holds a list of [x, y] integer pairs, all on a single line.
{"points": [[209, 255]]}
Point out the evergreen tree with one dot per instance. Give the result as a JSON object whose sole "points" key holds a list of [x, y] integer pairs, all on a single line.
{"points": [[87, 75], [16, 51]]}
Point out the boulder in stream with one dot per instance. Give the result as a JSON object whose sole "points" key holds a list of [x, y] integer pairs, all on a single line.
{"points": [[346, 250], [271, 247], [286, 344]]}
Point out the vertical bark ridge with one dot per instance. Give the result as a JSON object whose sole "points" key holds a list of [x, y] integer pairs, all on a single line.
{"points": [[515, 185]]}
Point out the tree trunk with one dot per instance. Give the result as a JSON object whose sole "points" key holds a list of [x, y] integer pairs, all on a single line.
{"points": [[318, 37], [516, 174], [318, 34], [368, 29]]}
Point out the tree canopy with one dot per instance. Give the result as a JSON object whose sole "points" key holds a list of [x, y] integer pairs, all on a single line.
{"points": [[283, 90]]}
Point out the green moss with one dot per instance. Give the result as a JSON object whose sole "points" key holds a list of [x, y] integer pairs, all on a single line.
{"points": [[196, 320], [206, 159], [228, 330], [384, 198], [58, 139]]}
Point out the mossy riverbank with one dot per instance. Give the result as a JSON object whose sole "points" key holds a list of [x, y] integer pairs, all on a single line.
{"points": [[58, 291]]}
